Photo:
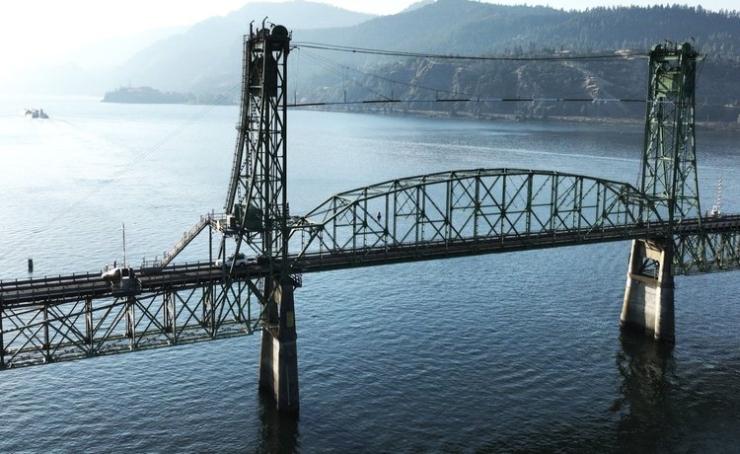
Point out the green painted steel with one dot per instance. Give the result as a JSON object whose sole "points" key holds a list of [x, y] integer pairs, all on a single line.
{"points": [[668, 174], [468, 205], [707, 252], [446, 214]]}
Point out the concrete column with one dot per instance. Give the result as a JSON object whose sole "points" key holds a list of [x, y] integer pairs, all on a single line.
{"points": [[648, 299], [279, 356]]}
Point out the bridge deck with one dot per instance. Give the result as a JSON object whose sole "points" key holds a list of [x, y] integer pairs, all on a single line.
{"points": [[74, 287]]}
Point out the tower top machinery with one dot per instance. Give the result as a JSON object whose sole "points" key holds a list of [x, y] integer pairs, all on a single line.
{"points": [[668, 173]]}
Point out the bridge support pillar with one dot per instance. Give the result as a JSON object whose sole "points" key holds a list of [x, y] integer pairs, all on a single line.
{"points": [[278, 370], [648, 297]]}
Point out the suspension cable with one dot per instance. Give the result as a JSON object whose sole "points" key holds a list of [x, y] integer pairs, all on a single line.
{"points": [[455, 96], [395, 53], [466, 100]]}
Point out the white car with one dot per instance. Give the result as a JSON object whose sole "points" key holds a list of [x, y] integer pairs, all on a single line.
{"points": [[240, 260]]}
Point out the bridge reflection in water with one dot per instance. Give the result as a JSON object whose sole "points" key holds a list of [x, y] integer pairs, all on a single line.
{"points": [[648, 378]]}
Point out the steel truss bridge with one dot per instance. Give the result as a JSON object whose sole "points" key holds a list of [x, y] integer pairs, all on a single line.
{"points": [[441, 215]]}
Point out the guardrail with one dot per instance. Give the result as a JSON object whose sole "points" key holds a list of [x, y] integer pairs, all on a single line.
{"points": [[53, 289]]}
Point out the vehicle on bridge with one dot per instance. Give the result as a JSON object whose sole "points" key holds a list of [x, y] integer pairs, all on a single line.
{"points": [[239, 260], [122, 279]]}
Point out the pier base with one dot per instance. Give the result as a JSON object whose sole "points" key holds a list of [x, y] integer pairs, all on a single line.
{"points": [[279, 356], [648, 297]]}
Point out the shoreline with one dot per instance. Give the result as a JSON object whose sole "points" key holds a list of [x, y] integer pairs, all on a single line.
{"points": [[711, 125]]}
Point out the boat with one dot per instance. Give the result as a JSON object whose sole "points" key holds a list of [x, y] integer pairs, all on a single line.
{"points": [[37, 113]]}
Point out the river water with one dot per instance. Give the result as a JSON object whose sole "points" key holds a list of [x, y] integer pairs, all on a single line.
{"points": [[510, 352]]}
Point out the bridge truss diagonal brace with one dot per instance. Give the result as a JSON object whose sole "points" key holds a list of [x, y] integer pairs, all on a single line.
{"points": [[707, 252], [467, 206], [48, 332]]}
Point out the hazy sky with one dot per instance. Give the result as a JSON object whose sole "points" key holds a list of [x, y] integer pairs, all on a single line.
{"points": [[38, 32]]}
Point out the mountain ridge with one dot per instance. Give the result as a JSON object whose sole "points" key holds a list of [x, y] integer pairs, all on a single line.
{"points": [[471, 28], [177, 62], [205, 59]]}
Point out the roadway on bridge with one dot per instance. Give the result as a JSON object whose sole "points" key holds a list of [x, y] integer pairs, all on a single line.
{"points": [[75, 287]]}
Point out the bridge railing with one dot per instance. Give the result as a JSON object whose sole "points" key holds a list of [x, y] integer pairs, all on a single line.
{"points": [[464, 206], [47, 279]]}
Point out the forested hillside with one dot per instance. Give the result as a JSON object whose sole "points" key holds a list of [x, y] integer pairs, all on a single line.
{"points": [[474, 27], [205, 60], [465, 27]]}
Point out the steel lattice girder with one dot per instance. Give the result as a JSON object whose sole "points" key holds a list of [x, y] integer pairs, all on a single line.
{"points": [[466, 205], [44, 333], [704, 253], [668, 174]]}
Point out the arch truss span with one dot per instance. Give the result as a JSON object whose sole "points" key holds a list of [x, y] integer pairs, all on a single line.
{"points": [[469, 207]]}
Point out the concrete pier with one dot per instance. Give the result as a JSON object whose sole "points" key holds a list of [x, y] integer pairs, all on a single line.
{"points": [[279, 356], [648, 297]]}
